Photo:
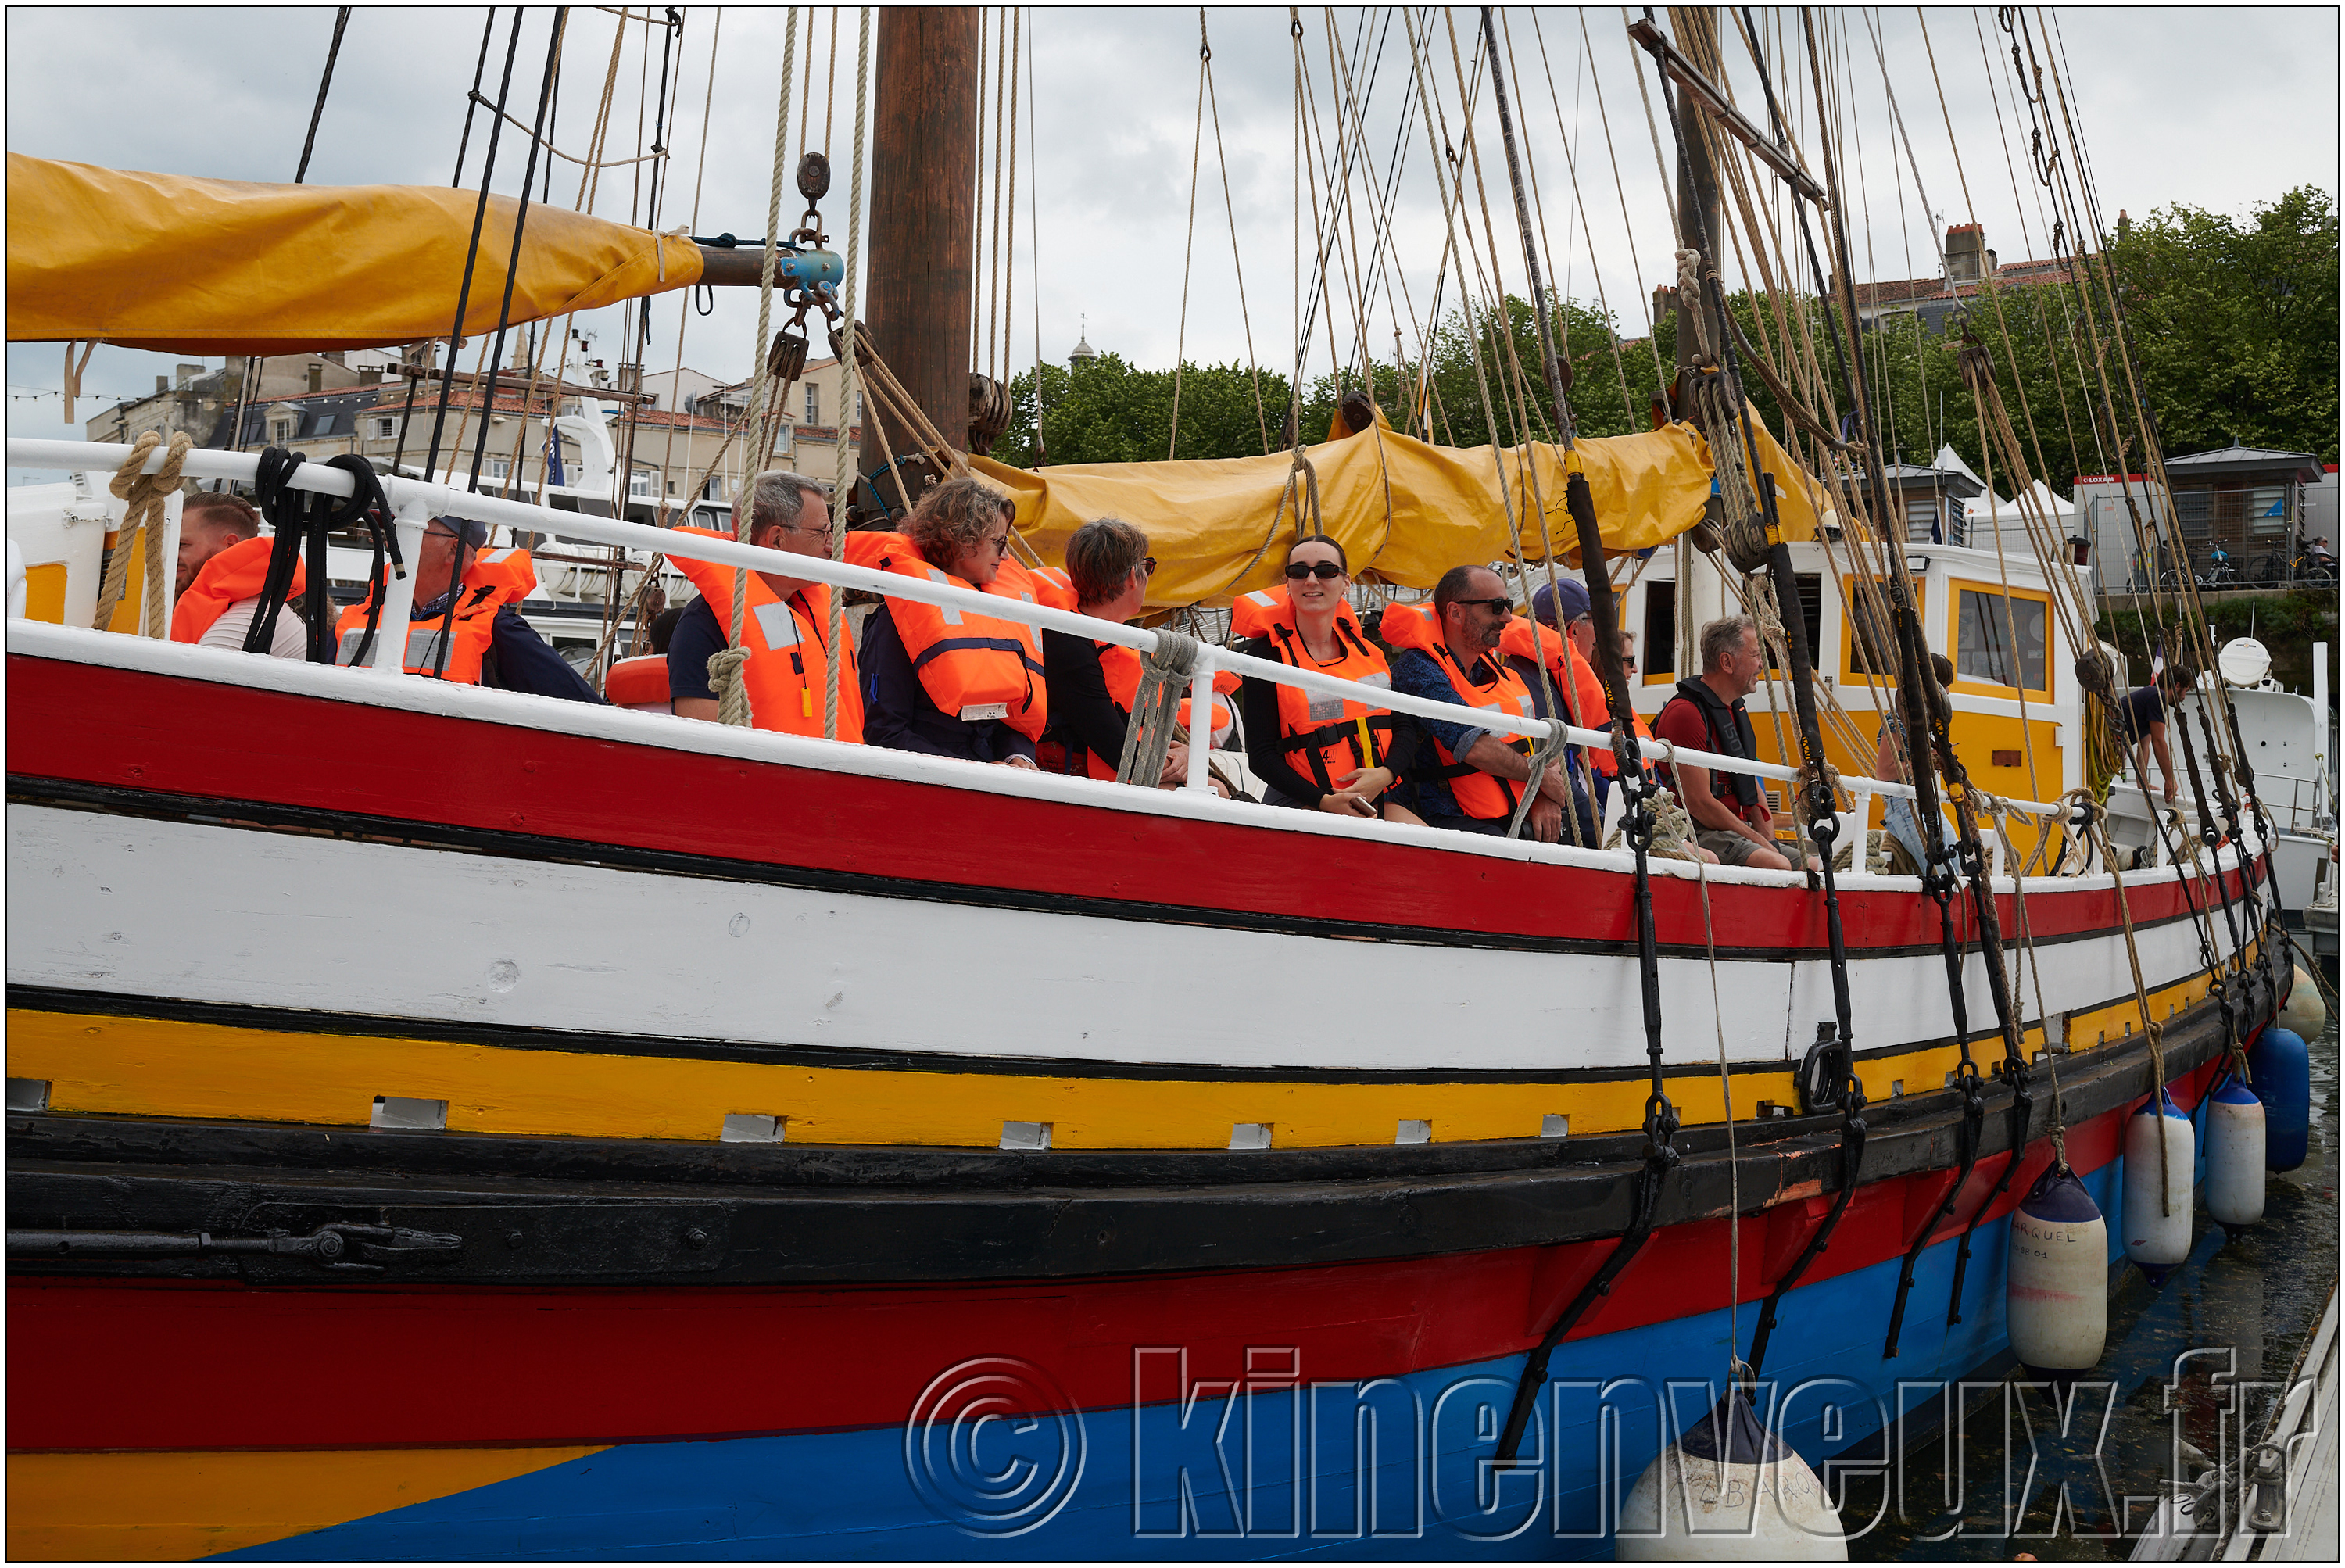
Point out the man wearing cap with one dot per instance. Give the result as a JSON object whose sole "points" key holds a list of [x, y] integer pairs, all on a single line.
{"points": [[1570, 658], [463, 627]]}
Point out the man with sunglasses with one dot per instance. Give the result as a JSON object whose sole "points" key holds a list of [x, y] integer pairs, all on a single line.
{"points": [[1447, 651], [783, 626]]}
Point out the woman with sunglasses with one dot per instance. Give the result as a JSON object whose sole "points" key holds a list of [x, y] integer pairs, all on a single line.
{"points": [[1093, 683], [1311, 751], [955, 683]]}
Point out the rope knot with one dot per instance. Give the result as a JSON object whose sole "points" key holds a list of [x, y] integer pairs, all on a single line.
{"points": [[143, 495], [1166, 671], [725, 678]]}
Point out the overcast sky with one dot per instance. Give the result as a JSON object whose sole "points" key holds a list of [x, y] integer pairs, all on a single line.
{"points": [[2219, 109]]}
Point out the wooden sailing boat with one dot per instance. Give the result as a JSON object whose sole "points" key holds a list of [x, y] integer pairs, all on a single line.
{"points": [[426, 1139]]}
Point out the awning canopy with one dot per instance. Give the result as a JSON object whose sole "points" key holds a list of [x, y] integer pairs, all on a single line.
{"points": [[191, 265], [1403, 509]]}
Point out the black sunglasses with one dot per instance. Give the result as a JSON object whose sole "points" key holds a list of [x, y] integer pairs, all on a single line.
{"points": [[1322, 570], [1499, 604], [1147, 567]]}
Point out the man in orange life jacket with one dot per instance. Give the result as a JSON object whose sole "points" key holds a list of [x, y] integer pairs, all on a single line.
{"points": [[1730, 815], [223, 563], [785, 625], [956, 682], [1452, 656], [486, 642]]}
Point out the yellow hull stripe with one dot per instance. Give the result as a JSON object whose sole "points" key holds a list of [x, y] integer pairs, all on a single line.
{"points": [[156, 1507], [107, 1065]]}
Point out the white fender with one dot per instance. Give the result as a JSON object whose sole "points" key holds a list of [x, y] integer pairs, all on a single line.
{"points": [[2235, 1156], [2056, 1301], [1728, 1492], [2156, 1241], [2305, 1013]]}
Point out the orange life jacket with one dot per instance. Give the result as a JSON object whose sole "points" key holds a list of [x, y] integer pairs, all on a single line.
{"points": [[1324, 737], [1582, 691], [492, 579], [788, 676], [1479, 795], [234, 574], [971, 665]]}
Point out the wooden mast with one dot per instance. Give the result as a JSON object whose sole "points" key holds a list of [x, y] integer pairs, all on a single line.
{"points": [[923, 236]]}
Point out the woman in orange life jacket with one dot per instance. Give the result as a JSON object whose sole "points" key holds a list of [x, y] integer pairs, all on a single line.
{"points": [[1313, 751], [785, 625], [1092, 684], [223, 565], [464, 628], [955, 682]]}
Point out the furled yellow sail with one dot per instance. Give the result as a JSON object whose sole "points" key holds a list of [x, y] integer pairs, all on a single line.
{"points": [[197, 266], [1404, 509]]}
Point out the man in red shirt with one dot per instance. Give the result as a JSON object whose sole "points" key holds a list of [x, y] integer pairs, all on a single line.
{"points": [[1730, 811]]}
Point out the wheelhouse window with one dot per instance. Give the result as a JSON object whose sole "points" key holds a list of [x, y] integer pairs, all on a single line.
{"points": [[1811, 616], [1657, 650], [1852, 667], [2003, 642]]}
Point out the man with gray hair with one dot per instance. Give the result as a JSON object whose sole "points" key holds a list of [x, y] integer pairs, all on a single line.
{"points": [[785, 626], [1730, 815]]}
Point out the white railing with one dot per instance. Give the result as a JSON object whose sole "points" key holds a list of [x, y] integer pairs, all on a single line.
{"points": [[416, 502]]}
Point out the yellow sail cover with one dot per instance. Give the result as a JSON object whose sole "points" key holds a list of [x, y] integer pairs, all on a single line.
{"points": [[1404, 510], [196, 266]]}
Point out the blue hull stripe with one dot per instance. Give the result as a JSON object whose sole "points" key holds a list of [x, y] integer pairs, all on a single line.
{"points": [[1398, 1468]]}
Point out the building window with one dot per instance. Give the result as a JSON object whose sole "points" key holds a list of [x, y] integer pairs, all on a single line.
{"points": [[498, 467], [858, 405], [280, 431], [814, 403], [716, 489], [643, 483], [385, 427], [1984, 646], [671, 487]]}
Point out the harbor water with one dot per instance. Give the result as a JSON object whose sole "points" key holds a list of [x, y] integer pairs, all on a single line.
{"points": [[2204, 1357]]}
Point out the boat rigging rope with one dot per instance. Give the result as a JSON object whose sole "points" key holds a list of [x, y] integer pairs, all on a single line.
{"points": [[144, 495], [725, 665], [850, 365], [1189, 237], [1661, 1152], [302, 170]]}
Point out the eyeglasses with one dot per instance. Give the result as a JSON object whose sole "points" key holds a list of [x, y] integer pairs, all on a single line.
{"points": [[824, 531], [999, 544], [1322, 570], [1627, 661], [1501, 604], [1147, 567]]}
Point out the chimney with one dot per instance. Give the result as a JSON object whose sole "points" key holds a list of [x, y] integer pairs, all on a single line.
{"points": [[189, 373], [317, 378], [1966, 254], [2125, 223], [162, 384]]}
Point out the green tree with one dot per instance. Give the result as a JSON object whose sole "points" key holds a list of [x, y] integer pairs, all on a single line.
{"points": [[2236, 325]]}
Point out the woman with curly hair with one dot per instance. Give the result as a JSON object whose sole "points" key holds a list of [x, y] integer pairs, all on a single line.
{"points": [[955, 682]]}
